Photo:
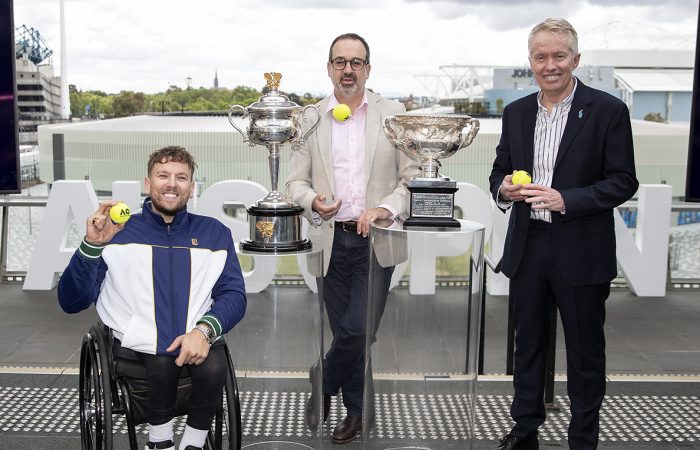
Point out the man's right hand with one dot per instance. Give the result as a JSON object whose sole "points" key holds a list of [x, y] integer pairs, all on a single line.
{"points": [[325, 211], [509, 191], [99, 228]]}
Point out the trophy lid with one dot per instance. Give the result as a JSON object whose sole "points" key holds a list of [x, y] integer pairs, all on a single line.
{"points": [[274, 100]]}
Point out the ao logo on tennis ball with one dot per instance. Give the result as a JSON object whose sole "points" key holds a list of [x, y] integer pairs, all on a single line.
{"points": [[120, 213]]}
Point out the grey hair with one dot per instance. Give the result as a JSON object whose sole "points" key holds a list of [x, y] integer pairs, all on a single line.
{"points": [[559, 26]]}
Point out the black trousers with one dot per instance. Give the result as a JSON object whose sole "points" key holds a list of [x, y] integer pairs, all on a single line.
{"points": [[536, 287], [207, 378], [345, 292]]}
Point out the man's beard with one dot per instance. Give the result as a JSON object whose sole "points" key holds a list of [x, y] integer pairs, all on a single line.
{"points": [[167, 210], [348, 91]]}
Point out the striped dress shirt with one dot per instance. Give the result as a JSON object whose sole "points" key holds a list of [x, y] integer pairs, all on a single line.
{"points": [[548, 132]]}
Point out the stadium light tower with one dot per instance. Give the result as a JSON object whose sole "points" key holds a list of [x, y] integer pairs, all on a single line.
{"points": [[65, 96]]}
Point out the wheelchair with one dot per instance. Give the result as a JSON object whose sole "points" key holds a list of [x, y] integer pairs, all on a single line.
{"points": [[110, 386]]}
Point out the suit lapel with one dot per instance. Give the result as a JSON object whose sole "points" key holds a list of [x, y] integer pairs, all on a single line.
{"points": [[579, 113], [372, 129], [529, 119]]}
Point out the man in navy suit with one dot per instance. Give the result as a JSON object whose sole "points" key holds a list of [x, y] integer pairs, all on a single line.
{"points": [[560, 247]]}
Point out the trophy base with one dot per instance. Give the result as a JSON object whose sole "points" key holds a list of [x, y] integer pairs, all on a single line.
{"points": [[277, 247], [432, 204], [275, 230], [431, 222]]}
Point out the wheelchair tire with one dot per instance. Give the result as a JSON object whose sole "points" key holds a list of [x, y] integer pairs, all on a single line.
{"points": [[94, 400], [233, 406], [108, 386]]}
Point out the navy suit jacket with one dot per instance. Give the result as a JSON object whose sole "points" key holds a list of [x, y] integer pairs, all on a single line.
{"points": [[594, 172]]}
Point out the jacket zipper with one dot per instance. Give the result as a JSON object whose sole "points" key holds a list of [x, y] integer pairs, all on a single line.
{"points": [[172, 284]]}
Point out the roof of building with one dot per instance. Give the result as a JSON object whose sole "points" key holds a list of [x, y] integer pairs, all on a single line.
{"points": [[158, 124], [219, 124], [657, 80], [633, 35]]}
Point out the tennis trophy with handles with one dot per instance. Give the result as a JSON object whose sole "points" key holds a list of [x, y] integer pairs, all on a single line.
{"points": [[274, 120], [427, 138]]}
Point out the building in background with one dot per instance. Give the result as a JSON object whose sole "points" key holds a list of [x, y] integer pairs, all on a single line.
{"points": [[38, 98], [38, 89], [114, 150], [648, 68]]}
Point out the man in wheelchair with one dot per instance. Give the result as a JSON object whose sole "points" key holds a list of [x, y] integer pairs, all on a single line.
{"points": [[169, 285]]}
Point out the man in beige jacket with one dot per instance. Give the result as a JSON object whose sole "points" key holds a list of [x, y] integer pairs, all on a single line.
{"points": [[347, 175]]}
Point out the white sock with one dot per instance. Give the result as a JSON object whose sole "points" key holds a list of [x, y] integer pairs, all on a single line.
{"points": [[161, 433], [194, 437]]}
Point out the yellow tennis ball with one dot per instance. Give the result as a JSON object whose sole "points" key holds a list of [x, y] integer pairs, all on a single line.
{"points": [[120, 213], [521, 177], [341, 112]]}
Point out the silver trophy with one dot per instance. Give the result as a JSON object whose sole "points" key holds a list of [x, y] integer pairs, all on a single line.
{"points": [[275, 221], [427, 138]]}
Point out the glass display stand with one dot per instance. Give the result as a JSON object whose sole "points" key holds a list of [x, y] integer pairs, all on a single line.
{"points": [[423, 338], [273, 347]]}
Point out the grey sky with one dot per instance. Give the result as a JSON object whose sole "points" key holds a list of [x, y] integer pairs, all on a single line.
{"points": [[148, 44]]}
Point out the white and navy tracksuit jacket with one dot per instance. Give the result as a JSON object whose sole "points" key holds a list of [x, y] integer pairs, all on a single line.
{"points": [[155, 281]]}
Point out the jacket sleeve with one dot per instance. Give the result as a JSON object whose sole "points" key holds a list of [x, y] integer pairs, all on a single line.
{"points": [[228, 294], [502, 164], [299, 185], [80, 283]]}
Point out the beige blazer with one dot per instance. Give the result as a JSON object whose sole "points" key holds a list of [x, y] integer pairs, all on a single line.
{"points": [[311, 168]]}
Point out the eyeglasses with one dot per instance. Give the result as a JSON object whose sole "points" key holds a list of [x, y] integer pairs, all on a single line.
{"points": [[356, 64]]}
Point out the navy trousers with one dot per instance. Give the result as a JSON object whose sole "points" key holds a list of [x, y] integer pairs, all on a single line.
{"points": [[536, 287], [345, 292]]}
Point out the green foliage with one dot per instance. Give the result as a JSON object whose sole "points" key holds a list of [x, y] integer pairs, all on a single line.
{"points": [[467, 107], [89, 104], [128, 103], [654, 117], [499, 105], [175, 99]]}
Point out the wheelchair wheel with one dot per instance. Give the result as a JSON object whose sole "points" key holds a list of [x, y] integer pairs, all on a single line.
{"points": [[94, 396], [233, 407], [108, 388]]}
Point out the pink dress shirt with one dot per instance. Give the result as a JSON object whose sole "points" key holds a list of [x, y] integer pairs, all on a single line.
{"points": [[348, 147]]}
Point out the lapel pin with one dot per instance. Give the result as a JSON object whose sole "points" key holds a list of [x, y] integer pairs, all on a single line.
{"points": [[580, 114]]}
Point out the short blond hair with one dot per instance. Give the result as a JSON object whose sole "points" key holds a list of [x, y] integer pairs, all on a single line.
{"points": [[559, 26]]}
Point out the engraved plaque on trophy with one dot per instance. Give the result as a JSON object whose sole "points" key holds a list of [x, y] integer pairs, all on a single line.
{"points": [[274, 221], [427, 138]]}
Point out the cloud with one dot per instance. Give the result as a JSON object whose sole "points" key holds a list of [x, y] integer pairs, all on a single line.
{"points": [[146, 45], [274, 5], [506, 14]]}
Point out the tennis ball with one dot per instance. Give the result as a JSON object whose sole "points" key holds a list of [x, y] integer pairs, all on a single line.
{"points": [[341, 112], [521, 177], [120, 213]]}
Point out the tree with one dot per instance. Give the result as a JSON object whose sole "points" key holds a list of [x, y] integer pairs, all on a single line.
{"points": [[499, 106], [128, 103], [654, 117]]}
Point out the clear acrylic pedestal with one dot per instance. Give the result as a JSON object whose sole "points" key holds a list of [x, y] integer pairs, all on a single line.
{"points": [[280, 337], [421, 369]]}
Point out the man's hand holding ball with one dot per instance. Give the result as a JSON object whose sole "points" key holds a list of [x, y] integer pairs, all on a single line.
{"points": [[512, 185], [107, 221]]}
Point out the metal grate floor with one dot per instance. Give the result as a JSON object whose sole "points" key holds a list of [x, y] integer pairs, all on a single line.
{"points": [[272, 415]]}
